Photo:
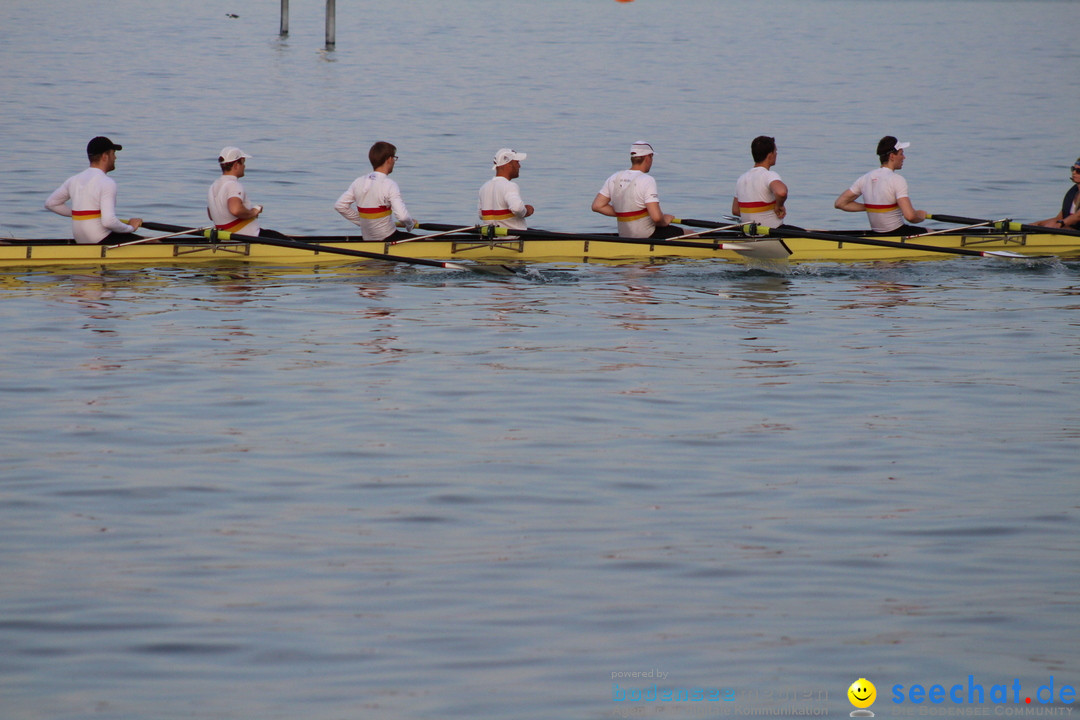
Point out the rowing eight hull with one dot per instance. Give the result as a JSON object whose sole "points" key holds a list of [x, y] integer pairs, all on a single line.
{"points": [[56, 253]]}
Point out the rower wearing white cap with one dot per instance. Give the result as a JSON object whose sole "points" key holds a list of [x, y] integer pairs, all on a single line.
{"points": [[884, 193], [93, 198], [630, 196], [374, 200], [227, 203], [500, 198]]}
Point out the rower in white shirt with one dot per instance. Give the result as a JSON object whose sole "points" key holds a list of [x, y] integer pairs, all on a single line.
{"points": [[374, 200], [630, 197], [500, 198], [226, 202], [760, 194], [885, 193], [93, 198]]}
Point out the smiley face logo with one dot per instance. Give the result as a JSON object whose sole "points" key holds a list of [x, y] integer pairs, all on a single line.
{"points": [[862, 693]]}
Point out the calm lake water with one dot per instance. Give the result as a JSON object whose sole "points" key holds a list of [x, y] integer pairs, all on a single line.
{"points": [[359, 491]]}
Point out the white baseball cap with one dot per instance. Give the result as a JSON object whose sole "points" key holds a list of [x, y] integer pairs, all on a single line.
{"points": [[901, 146], [640, 149], [232, 154], [507, 155]]}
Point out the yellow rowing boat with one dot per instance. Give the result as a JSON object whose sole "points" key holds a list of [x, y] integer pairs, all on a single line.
{"points": [[564, 247]]}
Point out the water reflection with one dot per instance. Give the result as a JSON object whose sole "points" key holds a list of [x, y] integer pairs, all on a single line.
{"points": [[762, 304], [637, 291], [882, 294], [762, 301], [92, 296]]}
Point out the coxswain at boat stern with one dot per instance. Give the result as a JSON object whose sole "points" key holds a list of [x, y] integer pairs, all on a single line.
{"points": [[1069, 216], [500, 201], [374, 200], [93, 198], [630, 196], [226, 202]]}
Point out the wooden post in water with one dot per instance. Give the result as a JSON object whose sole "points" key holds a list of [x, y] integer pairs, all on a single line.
{"points": [[284, 18], [331, 29]]}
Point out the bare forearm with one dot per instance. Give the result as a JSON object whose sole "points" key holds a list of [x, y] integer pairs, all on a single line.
{"points": [[602, 205], [910, 213]]}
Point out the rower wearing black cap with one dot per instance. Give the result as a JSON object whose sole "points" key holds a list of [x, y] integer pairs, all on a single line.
{"points": [[93, 198]]}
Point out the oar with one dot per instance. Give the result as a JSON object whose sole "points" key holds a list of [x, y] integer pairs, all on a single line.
{"points": [[311, 247], [699, 233], [709, 223], [1007, 225], [829, 237], [483, 230], [950, 231], [157, 237], [466, 228], [761, 250]]}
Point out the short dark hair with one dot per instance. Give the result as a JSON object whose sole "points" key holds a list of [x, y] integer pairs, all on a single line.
{"points": [[886, 146], [761, 147], [380, 152]]}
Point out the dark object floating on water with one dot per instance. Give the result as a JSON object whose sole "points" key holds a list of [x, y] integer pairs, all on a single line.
{"points": [[232, 15]]}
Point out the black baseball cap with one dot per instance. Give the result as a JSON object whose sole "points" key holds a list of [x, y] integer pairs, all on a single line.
{"points": [[101, 145]]}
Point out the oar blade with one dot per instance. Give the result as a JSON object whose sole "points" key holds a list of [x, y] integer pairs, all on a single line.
{"points": [[761, 249], [1013, 256], [494, 270]]}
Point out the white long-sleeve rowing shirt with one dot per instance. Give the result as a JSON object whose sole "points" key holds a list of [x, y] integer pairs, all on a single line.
{"points": [[93, 206], [372, 202]]}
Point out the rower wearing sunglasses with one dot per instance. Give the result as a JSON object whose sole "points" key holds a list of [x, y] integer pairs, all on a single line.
{"points": [[373, 201], [1069, 215]]}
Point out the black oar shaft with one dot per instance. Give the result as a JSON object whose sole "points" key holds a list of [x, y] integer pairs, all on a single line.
{"points": [[859, 240], [829, 237], [758, 249], [657, 242], [1007, 225], [443, 228], [958, 220], [700, 223], [593, 237]]}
